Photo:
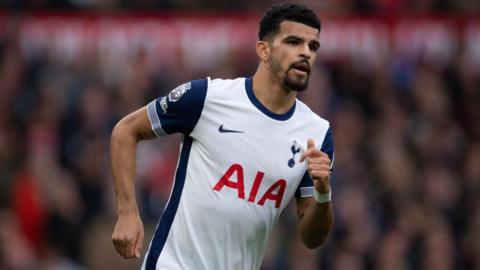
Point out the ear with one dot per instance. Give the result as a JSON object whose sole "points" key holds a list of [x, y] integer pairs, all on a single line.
{"points": [[263, 50]]}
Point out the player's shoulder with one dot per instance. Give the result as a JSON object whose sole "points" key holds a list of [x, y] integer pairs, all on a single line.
{"points": [[219, 83], [309, 115]]}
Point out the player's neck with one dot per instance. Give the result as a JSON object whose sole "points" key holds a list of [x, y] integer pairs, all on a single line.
{"points": [[271, 93]]}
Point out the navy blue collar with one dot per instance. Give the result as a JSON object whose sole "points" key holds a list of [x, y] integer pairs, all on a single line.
{"points": [[262, 108]]}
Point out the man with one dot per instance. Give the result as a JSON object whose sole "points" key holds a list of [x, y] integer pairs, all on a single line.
{"points": [[241, 161]]}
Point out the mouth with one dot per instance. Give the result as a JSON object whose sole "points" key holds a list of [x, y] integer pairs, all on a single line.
{"points": [[301, 67]]}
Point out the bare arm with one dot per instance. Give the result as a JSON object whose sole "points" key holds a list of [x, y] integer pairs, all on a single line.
{"points": [[128, 233], [316, 219]]}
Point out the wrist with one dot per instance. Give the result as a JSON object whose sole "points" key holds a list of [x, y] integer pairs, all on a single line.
{"points": [[322, 198], [127, 210]]}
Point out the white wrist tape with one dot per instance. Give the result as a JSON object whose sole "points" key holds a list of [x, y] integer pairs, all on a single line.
{"points": [[322, 198]]}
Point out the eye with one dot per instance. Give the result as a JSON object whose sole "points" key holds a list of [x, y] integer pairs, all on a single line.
{"points": [[293, 42], [313, 46]]}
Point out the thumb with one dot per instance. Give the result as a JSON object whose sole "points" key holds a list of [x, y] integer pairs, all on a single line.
{"points": [[310, 144], [139, 246]]}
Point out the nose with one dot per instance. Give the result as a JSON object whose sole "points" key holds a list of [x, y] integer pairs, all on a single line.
{"points": [[305, 52]]}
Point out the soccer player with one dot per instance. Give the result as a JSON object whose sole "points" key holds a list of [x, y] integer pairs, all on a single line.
{"points": [[249, 146]]}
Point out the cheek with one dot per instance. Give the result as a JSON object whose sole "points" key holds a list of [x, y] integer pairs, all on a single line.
{"points": [[288, 58], [283, 60], [275, 62]]}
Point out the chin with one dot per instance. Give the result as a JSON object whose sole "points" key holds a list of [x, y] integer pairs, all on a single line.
{"points": [[298, 85]]}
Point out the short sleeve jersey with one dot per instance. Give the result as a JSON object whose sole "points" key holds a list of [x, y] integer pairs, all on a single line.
{"points": [[238, 168]]}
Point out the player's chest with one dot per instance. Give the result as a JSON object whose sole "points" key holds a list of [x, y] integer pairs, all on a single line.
{"points": [[252, 146]]}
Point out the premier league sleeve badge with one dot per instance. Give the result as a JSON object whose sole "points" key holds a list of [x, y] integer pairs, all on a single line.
{"points": [[178, 92]]}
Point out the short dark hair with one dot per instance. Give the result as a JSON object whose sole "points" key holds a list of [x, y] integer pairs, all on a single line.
{"points": [[275, 15]]}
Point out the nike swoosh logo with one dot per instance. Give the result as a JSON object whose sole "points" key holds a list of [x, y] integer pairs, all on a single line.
{"points": [[222, 130]]}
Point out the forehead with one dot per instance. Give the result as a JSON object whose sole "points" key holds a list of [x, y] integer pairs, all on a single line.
{"points": [[290, 28]]}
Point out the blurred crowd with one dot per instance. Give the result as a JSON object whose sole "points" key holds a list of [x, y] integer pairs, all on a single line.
{"points": [[407, 163], [340, 6]]}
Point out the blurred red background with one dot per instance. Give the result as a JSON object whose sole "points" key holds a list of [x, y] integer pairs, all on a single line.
{"points": [[399, 80]]}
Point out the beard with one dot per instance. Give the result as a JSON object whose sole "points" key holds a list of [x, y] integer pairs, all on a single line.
{"points": [[289, 81], [295, 84]]}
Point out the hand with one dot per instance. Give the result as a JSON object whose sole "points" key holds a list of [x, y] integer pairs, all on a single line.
{"points": [[318, 167], [128, 235]]}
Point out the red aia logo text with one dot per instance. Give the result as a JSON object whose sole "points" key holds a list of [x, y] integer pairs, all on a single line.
{"points": [[274, 192]]}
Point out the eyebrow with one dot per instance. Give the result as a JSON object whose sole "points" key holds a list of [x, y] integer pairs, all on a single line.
{"points": [[296, 38], [293, 38]]}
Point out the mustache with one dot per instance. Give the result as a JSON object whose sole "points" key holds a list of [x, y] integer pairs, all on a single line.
{"points": [[301, 62]]}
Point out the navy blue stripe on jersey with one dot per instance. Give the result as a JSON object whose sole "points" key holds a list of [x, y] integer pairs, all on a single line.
{"points": [[181, 109], [163, 228], [305, 189], [327, 146], [261, 107]]}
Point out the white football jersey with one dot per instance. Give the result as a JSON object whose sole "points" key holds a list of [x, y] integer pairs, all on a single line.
{"points": [[238, 169]]}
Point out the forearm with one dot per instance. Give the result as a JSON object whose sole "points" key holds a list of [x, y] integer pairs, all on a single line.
{"points": [[316, 223], [123, 157], [128, 233]]}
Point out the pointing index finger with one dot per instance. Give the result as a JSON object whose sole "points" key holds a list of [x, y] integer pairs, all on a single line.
{"points": [[310, 144], [311, 151]]}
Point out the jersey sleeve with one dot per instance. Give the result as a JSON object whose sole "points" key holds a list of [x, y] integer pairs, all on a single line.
{"points": [[180, 110], [305, 189]]}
